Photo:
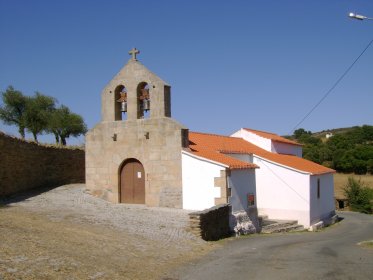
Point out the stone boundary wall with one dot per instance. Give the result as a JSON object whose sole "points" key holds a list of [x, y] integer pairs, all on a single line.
{"points": [[211, 224], [26, 165]]}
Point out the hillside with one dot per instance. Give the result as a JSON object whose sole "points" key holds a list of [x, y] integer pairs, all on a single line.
{"points": [[334, 131], [347, 150]]}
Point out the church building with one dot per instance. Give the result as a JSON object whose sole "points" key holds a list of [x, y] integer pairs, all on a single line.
{"points": [[139, 154]]}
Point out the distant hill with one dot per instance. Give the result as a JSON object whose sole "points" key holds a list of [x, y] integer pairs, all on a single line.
{"points": [[334, 131], [346, 150]]}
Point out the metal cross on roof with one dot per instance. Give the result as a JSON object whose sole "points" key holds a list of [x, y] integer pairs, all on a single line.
{"points": [[134, 52]]}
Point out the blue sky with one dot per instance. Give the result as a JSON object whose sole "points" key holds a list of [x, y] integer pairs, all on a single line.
{"points": [[231, 64]]}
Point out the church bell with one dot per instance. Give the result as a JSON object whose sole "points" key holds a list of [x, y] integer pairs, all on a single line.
{"points": [[123, 107], [146, 105]]}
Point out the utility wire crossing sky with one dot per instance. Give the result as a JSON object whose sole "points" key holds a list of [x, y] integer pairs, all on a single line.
{"points": [[255, 64], [332, 88]]}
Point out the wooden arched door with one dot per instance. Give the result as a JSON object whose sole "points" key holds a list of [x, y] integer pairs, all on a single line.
{"points": [[132, 182]]}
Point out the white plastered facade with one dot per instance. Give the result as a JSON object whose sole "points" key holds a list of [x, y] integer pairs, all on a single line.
{"points": [[322, 204], [242, 183], [268, 144], [283, 193], [199, 191], [286, 149], [280, 192], [255, 139]]}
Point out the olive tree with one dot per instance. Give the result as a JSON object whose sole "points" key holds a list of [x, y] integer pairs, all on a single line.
{"points": [[38, 110], [12, 111], [63, 124]]}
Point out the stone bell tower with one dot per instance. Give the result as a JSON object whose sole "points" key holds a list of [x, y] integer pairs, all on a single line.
{"points": [[140, 86], [134, 154]]}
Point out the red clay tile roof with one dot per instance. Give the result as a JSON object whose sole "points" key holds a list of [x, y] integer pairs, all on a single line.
{"points": [[273, 137], [203, 146], [231, 162], [215, 147]]}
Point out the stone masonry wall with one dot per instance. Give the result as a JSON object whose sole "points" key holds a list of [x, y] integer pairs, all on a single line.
{"points": [[156, 143], [211, 224], [27, 165], [221, 182], [155, 140]]}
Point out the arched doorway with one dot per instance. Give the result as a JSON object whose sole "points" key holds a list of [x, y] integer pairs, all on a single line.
{"points": [[132, 182]]}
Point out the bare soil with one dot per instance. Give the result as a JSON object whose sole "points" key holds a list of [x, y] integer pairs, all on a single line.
{"points": [[67, 234]]}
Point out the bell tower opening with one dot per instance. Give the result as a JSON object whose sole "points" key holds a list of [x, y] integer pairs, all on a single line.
{"points": [[120, 99], [143, 101]]}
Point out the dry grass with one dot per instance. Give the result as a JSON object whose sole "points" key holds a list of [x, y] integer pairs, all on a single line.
{"points": [[340, 181], [368, 244], [32, 246]]}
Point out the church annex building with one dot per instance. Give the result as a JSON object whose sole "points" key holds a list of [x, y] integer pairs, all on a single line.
{"points": [[139, 154]]}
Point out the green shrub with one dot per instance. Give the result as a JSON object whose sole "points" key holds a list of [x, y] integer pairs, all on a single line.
{"points": [[359, 195], [360, 167], [370, 166]]}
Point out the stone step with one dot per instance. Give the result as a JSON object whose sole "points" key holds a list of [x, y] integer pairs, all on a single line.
{"points": [[275, 226], [289, 228], [269, 224]]}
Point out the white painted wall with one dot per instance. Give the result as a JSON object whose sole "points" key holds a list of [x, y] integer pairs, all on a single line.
{"points": [[288, 149], [199, 191], [323, 206], [255, 139], [282, 193], [241, 182], [243, 157], [268, 144]]}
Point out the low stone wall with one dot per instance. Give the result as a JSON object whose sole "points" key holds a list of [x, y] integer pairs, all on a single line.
{"points": [[211, 224], [26, 165]]}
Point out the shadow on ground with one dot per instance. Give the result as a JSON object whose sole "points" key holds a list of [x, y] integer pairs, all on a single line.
{"points": [[24, 195]]}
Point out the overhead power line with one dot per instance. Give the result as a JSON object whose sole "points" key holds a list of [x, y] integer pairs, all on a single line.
{"points": [[332, 88], [280, 177]]}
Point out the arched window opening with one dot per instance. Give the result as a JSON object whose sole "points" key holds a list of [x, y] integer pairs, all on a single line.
{"points": [[120, 103], [143, 100]]}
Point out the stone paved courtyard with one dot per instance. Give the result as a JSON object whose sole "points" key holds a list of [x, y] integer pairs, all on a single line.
{"points": [[65, 233]]}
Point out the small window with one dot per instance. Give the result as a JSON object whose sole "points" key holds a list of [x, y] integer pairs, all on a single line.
{"points": [[318, 188], [250, 199]]}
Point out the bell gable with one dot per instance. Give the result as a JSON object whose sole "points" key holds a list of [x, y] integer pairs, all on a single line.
{"points": [[135, 93]]}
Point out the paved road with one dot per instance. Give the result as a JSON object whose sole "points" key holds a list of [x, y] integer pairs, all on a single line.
{"points": [[332, 253]]}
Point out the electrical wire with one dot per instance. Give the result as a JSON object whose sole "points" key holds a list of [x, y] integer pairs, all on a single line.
{"points": [[332, 88], [285, 183]]}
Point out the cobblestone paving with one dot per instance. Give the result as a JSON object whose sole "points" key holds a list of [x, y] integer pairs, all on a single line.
{"points": [[159, 224]]}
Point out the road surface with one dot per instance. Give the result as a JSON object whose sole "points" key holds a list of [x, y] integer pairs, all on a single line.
{"points": [[332, 253]]}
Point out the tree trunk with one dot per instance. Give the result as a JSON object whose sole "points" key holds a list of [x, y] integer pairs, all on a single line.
{"points": [[35, 137], [21, 131], [63, 141], [57, 138]]}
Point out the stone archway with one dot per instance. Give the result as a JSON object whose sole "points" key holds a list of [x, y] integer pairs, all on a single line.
{"points": [[132, 182]]}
